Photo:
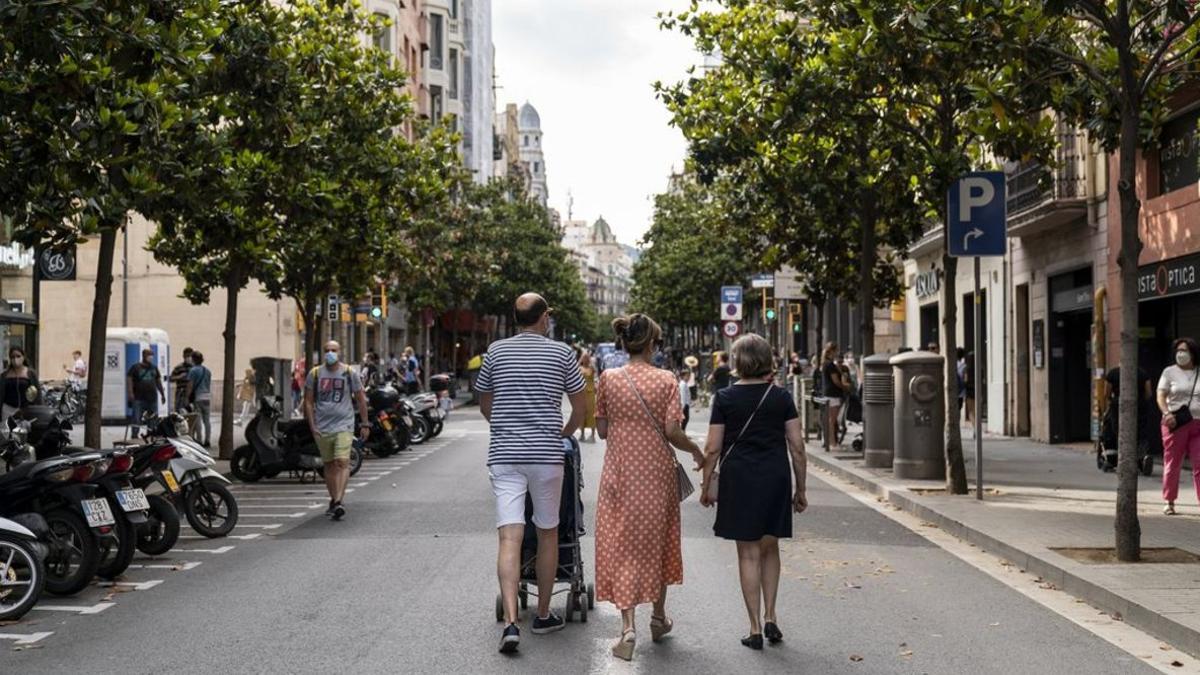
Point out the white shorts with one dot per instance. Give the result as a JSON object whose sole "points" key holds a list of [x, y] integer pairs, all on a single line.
{"points": [[510, 483]]}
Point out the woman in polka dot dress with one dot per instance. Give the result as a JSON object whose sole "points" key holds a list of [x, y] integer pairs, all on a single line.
{"points": [[637, 515]]}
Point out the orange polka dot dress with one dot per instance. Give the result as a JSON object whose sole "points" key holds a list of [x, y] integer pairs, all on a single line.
{"points": [[637, 512]]}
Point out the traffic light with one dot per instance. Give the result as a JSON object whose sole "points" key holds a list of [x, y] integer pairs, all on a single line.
{"points": [[379, 303], [796, 327], [771, 314]]}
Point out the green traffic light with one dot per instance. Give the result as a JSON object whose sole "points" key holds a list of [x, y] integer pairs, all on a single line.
{"points": [[376, 312], [795, 328], [770, 315]]}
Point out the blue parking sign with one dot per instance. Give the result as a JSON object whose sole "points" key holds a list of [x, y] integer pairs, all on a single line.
{"points": [[978, 215], [731, 295]]}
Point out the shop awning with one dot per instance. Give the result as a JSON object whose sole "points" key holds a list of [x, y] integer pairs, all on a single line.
{"points": [[8, 316]]}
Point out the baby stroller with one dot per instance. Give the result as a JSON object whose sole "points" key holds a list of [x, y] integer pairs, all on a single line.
{"points": [[581, 596], [1106, 445]]}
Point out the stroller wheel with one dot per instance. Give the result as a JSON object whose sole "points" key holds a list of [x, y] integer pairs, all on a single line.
{"points": [[523, 597], [1148, 465], [591, 596], [582, 604], [569, 616], [499, 608]]}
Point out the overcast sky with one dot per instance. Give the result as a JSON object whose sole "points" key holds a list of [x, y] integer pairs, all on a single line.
{"points": [[588, 66]]}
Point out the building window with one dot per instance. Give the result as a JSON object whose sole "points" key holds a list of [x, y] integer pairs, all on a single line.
{"points": [[537, 166], [435, 103], [453, 9], [526, 142], [453, 93], [1179, 158], [383, 34], [436, 40]]}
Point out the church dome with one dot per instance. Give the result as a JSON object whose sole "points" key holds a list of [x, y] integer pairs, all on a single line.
{"points": [[601, 232], [529, 118]]}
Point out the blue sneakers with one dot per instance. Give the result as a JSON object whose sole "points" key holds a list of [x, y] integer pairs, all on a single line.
{"points": [[510, 639], [547, 625]]}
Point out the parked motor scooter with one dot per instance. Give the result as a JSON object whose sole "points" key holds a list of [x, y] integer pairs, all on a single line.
{"points": [[22, 575], [196, 489], [390, 422], [274, 445], [79, 521]]}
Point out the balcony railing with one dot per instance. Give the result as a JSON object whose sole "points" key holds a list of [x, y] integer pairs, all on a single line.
{"points": [[1034, 183], [1041, 197]]}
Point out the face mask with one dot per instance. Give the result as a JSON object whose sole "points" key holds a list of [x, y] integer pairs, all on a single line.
{"points": [[17, 361], [331, 358], [1184, 359]]}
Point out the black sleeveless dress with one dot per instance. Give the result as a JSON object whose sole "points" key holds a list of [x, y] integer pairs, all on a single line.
{"points": [[756, 479]]}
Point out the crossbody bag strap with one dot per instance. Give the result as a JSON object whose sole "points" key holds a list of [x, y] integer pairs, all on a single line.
{"points": [[744, 427], [1192, 393], [653, 420]]}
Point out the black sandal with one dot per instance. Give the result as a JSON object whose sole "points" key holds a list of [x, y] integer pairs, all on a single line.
{"points": [[753, 641], [772, 632]]}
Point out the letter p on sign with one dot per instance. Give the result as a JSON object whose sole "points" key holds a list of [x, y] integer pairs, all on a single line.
{"points": [[973, 192]]}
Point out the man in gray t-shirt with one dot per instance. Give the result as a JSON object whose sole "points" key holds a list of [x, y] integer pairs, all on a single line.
{"points": [[330, 394]]}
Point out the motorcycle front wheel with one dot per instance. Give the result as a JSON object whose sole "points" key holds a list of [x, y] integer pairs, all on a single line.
{"points": [[161, 530], [73, 556], [210, 508], [356, 460], [21, 578], [116, 551], [436, 429]]}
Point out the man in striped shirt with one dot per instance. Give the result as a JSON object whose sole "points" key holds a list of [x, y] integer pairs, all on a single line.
{"points": [[521, 386]]}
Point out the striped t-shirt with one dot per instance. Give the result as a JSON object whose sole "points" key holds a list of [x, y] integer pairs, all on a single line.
{"points": [[527, 375]]}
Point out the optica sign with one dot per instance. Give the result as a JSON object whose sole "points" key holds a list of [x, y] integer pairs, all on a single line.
{"points": [[1169, 277]]}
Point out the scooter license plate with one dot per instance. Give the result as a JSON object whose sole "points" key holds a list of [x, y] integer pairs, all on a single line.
{"points": [[97, 512], [169, 477], [133, 500], [387, 424]]}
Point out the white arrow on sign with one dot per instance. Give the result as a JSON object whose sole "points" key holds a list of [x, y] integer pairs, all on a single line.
{"points": [[973, 234]]}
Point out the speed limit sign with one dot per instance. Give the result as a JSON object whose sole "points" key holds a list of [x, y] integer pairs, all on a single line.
{"points": [[731, 329]]}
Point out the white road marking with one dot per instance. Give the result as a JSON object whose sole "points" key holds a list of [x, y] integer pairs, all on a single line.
{"points": [[274, 499], [26, 638], [135, 585], [78, 609], [178, 567], [1146, 648], [214, 551], [360, 484], [243, 537], [296, 514], [311, 505], [261, 527]]}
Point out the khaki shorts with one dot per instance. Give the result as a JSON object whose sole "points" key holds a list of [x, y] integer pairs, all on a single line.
{"points": [[335, 446]]}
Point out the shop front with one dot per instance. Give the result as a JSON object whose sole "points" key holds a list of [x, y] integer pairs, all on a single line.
{"points": [[1168, 308], [1070, 356]]}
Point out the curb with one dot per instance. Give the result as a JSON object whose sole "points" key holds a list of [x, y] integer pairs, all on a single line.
{"points": [[1161, 626]]}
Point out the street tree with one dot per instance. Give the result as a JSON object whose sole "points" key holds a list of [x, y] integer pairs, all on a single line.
{"points": [[527, 255], [352, 180], [831, 178], [218, 232], [91, 95], [691, 251], [1114, 66], [945, 69]]}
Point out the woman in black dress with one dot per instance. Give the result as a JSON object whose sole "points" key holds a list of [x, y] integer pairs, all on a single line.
{"points": [[752, 429]]}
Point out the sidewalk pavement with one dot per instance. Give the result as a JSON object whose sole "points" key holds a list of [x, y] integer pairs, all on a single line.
{"points": [[1040, 497]]}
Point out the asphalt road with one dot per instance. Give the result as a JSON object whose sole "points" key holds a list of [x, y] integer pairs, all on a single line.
{"points": [[406, 584]]}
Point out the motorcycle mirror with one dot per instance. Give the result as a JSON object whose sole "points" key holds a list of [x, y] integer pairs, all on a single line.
{"points": [[31, 394]]}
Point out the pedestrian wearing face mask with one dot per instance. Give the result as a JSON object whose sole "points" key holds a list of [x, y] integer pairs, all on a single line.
{"points": [[17, 380], [1179, 401], [331, 393]]}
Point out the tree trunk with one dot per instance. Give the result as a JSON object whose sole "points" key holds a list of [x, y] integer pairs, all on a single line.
{"points": [[866, 288], [956, 468], [1128, 529], [99, 330], [454, 346], [233, 285]]}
